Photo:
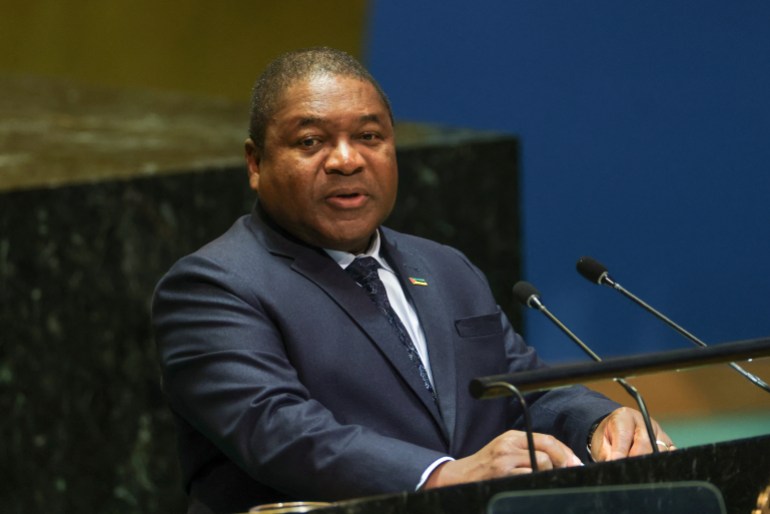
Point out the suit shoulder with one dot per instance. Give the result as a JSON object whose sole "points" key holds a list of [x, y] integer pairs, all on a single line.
{"points": [[237, 239], [412, 243], [235, 250]]}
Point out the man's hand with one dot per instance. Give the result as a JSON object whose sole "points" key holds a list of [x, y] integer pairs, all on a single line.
{"points": [[505, 455], [623, 434]]}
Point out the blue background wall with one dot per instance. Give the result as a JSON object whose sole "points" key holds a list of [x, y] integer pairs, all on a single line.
{"points": [[644, 129]]}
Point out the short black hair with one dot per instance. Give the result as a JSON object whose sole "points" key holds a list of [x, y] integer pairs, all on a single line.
{"points": [[295, 66]]}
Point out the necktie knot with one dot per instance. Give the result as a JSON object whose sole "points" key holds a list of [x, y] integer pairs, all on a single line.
{"points": [[364, 271]]}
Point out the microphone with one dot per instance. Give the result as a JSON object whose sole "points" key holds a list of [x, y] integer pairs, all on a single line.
{"points": [[529, 296], [597, 273]]}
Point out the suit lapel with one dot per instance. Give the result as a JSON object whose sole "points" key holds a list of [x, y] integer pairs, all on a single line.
{"points": [[318, 267], [436, 325]]}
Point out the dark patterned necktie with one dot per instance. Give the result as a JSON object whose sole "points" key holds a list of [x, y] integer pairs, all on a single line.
{"points": [[364, 272]]}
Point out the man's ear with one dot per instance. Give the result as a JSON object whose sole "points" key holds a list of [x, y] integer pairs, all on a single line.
{"points": [[253, 159]]}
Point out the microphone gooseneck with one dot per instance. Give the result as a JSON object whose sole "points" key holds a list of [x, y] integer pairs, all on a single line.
{"points": [[595, 272], [525, 292], [529, 296], [527, 421]]}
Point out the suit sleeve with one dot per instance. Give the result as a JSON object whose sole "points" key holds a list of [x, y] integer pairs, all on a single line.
{"points": [[226, 372]]}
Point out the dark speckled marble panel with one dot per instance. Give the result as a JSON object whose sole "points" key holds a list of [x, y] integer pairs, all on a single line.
{"points": [[84, 426]]}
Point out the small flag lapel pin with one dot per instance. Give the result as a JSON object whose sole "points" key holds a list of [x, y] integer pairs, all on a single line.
{"points": [[418, 281]]}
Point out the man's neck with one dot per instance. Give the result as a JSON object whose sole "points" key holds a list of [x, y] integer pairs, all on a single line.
{"points": [[344, 258]]}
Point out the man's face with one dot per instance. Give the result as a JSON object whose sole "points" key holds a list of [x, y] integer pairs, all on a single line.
{"points": [[328, 173]]}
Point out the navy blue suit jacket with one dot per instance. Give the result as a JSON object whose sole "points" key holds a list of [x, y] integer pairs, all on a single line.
{"points": [[287, 383]]}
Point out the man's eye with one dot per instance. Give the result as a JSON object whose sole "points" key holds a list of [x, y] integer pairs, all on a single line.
{"points": [[308, 142], [369, 136]]}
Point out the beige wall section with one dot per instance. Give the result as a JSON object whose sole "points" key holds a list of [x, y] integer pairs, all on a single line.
{"points": [[706, 391], [195, 46]]}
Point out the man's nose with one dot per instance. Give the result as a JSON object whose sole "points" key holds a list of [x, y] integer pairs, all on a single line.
{"points": [[344, 158]]}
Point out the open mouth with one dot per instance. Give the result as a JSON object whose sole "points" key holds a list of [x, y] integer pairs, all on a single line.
{"points": [[347, 200]]}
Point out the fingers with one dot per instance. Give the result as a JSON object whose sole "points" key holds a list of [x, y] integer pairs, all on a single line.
{"points": [[524, 465], [507, 454], [663, 441], [624, 434], [642, 445], [556, 453], [614, 436], [510, 453], [520, 463]]}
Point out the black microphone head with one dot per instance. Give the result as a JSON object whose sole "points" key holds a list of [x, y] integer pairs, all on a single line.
{"points": [[524, 291], [593, 270]]}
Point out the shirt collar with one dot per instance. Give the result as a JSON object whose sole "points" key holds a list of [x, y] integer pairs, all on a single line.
{"points": [[344, 259]]}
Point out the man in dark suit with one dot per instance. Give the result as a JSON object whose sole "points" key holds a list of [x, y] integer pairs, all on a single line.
{"points": [[292, 377]]}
